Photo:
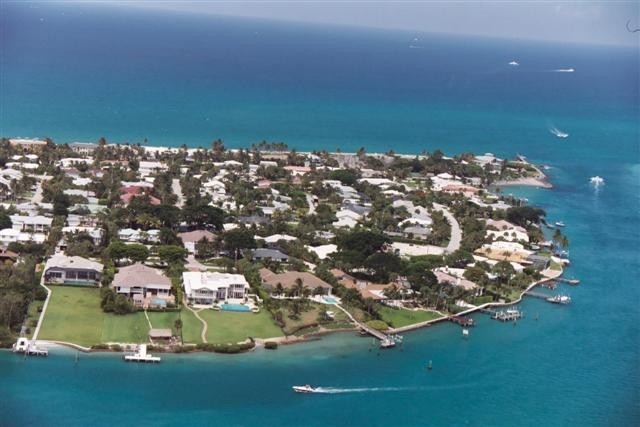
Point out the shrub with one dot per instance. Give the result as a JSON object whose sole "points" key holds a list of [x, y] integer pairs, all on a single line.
{"points": [[116, 347], [271, 345], [100, 347]]}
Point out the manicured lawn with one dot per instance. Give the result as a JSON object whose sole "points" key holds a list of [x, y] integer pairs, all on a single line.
{"points": [[73, 315], [191, 327], [403, 317], [228, 326], [128, 328]]}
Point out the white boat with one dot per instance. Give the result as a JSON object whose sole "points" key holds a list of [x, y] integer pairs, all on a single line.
{"points": [[559, 224], [560, 299], [141, 355], [305, 389], [565, 70], [514, 63], [596, 180], [465, 332], [558, 133], [21, 346]]}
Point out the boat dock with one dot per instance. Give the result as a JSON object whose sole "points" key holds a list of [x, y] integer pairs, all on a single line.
{"points": [[29, 348], [386, 341], [568, 281], [141, 356], [510, 314], [462, 321]]}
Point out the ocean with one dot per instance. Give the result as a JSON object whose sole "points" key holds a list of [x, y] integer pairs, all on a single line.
{"points": [[80, 72]]}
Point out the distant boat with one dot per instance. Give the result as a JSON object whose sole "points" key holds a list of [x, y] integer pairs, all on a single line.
{"points": [[465, 332], [596, 181], [305, 389], [514, 63], [558, 133], [430, 365], [559, 224], [564, 70]]}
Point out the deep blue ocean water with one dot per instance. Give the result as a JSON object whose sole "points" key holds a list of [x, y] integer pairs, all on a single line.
{"points": [[80, 72]]}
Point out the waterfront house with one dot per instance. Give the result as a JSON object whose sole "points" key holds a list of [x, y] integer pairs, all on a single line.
{"points": [[290, 280], [72, 270], [31, 224], [206, 288], [148, 287], [83, 148]]}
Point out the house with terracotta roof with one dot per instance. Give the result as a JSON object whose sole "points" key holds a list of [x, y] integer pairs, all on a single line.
{"points": [[190, 238], [131, 192], [290, 280]]}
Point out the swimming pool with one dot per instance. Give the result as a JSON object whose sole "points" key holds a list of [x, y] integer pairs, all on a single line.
{"points": [[235, 307], [330, 300]]}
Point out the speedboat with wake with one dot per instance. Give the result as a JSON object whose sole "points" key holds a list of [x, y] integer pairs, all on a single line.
{"points": [[305, 389]]}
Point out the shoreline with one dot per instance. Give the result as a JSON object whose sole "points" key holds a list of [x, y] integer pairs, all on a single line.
{"points": [[316, 336]]}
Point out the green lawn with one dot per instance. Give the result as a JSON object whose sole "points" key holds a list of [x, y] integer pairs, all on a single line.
{"points": [[191, 327], [231, 327], [74, 315], [403, 317]]}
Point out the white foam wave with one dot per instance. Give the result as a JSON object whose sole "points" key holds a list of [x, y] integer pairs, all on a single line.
{"points": [[335, 390]]}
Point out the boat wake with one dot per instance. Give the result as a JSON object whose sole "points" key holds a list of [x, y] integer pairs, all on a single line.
{"points": [[336, 390], [564, 70], [558, 133]]}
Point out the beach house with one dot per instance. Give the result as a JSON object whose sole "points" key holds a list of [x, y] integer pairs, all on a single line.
{"points": [[72, 270], [206, 288], [291, 279]]}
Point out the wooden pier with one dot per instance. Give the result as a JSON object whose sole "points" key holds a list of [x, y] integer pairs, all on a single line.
{"points": [[462, 321], [386, 341]]}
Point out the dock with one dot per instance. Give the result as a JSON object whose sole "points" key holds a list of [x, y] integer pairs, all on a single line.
{"points": [[29, 348], [141, 356], [462, 321], [568, 281], [386, 341], [510, 314]]}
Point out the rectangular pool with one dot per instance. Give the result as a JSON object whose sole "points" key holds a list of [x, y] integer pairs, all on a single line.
{"points": [[330, 300], [235, 307]]}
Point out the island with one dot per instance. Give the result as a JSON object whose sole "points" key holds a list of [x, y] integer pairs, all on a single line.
{"points": [[109, 246]]}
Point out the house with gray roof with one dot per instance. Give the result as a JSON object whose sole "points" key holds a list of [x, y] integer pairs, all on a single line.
{"points": [[72, 270]]}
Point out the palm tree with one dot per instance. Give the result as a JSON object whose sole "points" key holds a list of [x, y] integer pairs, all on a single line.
{"points": [[178, 325], [299, 287]]}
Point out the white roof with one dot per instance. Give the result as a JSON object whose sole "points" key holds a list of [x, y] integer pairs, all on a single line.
{"points": [[31, 220], [323, 250], [211, 280], [277, 237]]}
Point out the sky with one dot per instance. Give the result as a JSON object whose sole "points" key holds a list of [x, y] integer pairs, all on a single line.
{"points": [[595, 22]]}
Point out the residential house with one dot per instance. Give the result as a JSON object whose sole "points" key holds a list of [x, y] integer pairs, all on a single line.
{"points": [[31, 224], [265, 254], [290, 279], [7, 255], [190, 238], [206, 288], [72, 270], [148, 287], [83, 148]]}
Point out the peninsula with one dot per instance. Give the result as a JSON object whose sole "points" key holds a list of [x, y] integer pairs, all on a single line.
{"points": [[106, 246]]}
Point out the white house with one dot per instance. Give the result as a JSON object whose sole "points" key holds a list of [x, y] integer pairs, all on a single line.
{"points": [[208, 287], [31, 224]]}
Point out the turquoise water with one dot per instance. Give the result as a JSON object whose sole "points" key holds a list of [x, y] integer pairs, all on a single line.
{"points": [[330, 300], [235, 307], [314, 87]]}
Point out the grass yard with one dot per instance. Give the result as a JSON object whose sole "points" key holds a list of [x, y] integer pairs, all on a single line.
{"points": [[231, 327], [191, 327], [74, 315], [403, 317]]}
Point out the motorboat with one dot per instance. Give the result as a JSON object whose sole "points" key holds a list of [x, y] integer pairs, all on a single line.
{"points": [[560, 224], [514, 63], [305, 389], [596, 180], [558, 133]]}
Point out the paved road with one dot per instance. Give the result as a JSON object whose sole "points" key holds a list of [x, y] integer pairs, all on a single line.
{"points": [[177, 190], [37, 197], [456, 233], [312, 208]]}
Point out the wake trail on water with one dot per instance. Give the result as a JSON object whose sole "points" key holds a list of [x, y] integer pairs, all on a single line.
{"points": [[336, 390]]}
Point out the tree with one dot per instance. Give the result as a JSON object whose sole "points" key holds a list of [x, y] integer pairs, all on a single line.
{"points": [[61, 204], [475, 274], [504, 270], [5, 220], [172, 254], [524, 215], [240, 238], [205, 248], [178, 325]]}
